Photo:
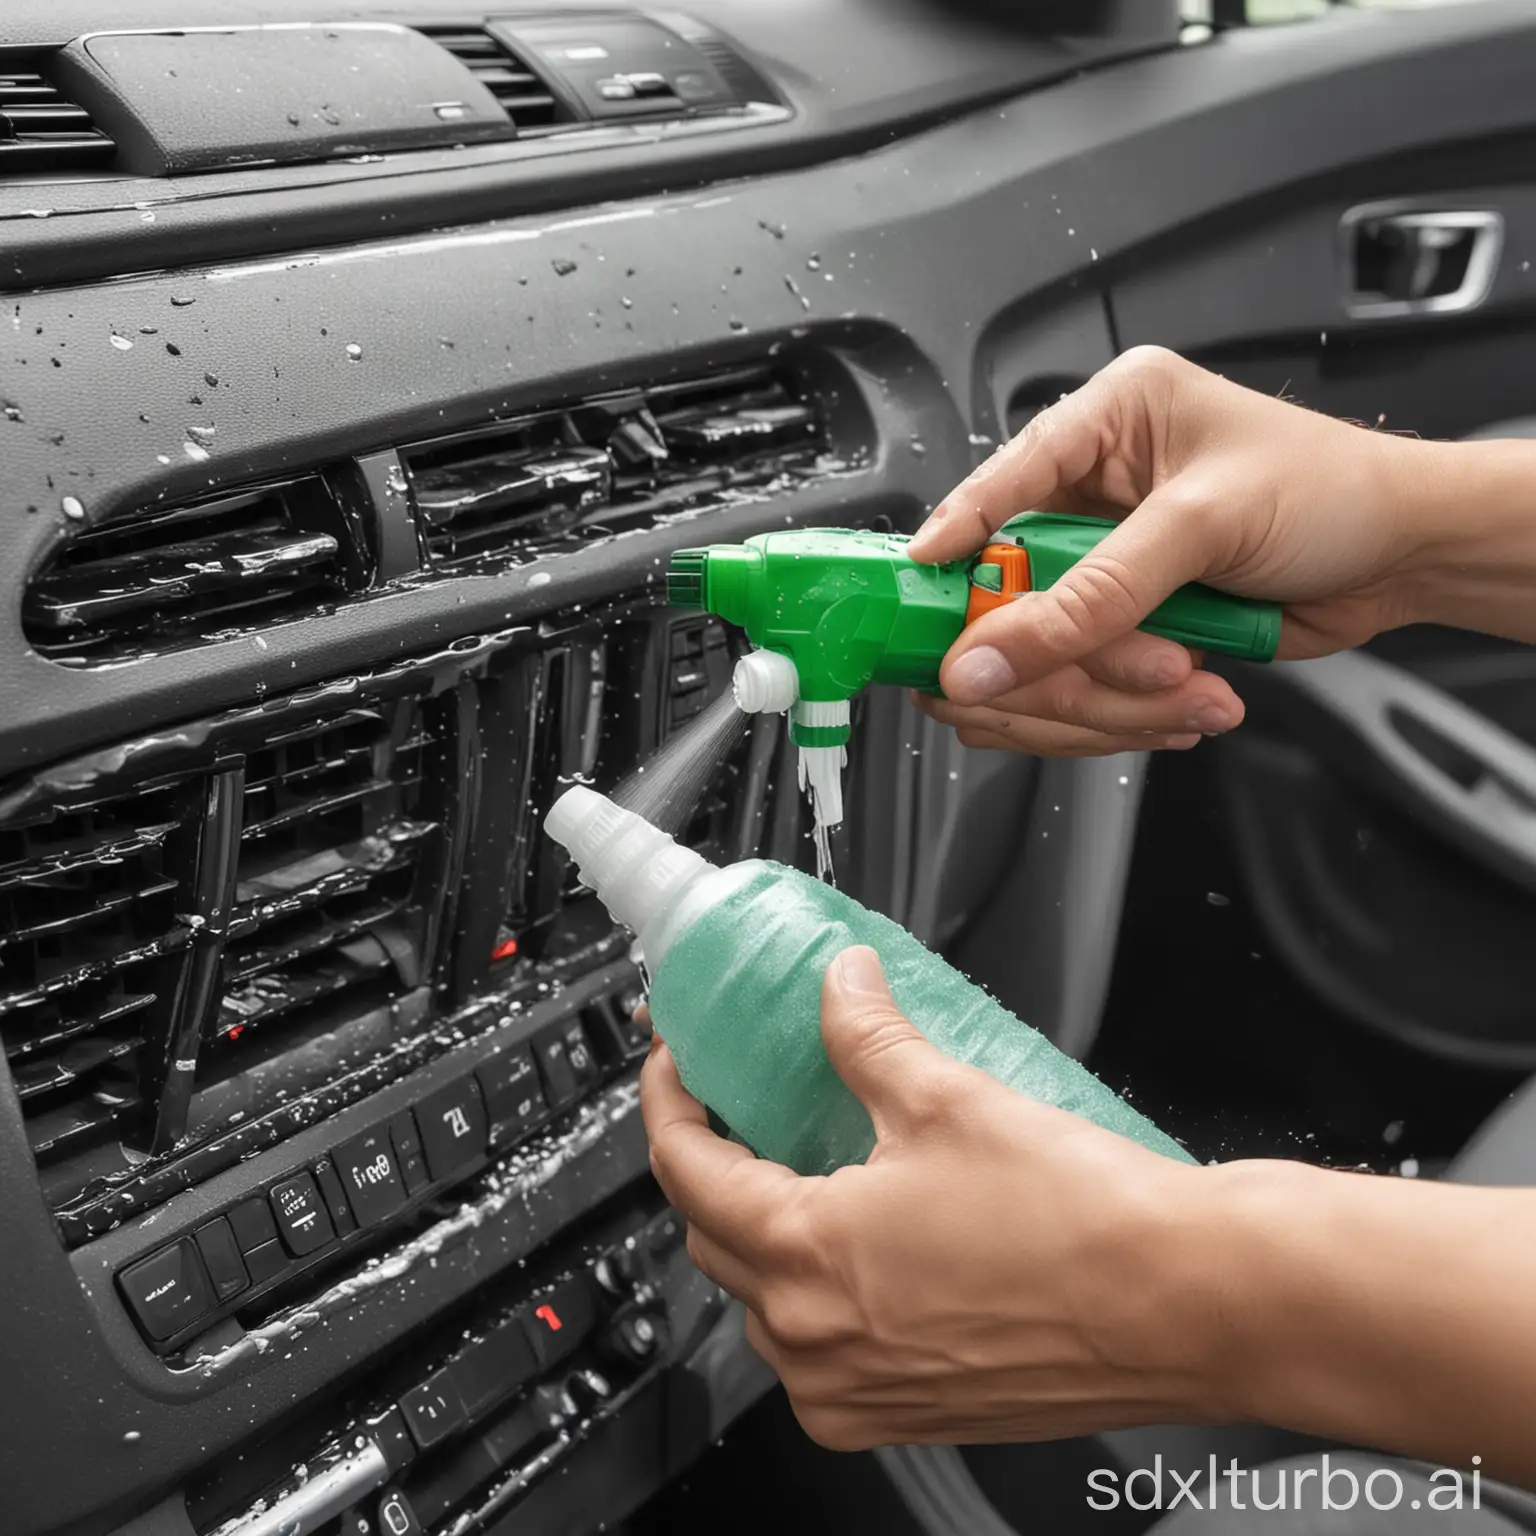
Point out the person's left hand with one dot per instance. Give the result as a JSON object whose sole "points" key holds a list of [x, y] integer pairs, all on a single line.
{"points": [[998, 1269]]}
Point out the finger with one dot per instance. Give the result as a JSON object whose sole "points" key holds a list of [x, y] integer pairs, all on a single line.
{"points": [[716, 1184], [1140, 662], [875, 1048], [983, 726], [1204, 704], [1158, 548], [1058, 448], [642, 1017]]}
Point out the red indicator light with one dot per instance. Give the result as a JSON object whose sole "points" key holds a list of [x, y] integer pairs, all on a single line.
{"points": [[234, 1031], [549, 1317], [505, 950]]}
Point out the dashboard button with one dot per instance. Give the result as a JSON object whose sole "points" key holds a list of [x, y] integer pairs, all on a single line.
{"points": [[514, 1099], [266, 1262], [453, 1127], [433, 1410], [301, 1218], [396, 1517], [550, 1051], [408, 1154], [558, 1321], [221, 1258], [335, 1197], [371, 1176], [168, 1290], [579, 1053], [252, 1223], [493, 1367]]}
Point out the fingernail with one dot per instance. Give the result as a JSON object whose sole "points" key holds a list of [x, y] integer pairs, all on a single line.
{"points": [[858, 970], [979, 674], [1209, 718], [1161, 671]]}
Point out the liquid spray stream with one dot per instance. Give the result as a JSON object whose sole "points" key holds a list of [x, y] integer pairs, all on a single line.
{"points": [[665, 789]]}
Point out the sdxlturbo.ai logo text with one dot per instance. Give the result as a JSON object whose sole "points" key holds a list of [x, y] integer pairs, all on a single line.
{"points": [[1325, 1486]]}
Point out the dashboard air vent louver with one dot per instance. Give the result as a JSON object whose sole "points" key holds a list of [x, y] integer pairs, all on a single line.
{"points": [[522, 94], [39, 129], [329, 850], [90, 900], [616, 461], [139, 584]]}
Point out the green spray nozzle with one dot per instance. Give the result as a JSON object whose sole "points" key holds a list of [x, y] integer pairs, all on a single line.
{"points": [[850, 607]]}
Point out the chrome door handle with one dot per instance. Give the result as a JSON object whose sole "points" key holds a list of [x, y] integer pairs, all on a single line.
{"points": [[1400, 260]]}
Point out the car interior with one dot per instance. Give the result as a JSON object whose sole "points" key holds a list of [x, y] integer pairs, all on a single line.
{"points": [[362, 362]]}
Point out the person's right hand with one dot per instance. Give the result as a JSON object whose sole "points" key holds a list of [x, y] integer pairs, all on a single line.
{"points": [[1210, 482]]}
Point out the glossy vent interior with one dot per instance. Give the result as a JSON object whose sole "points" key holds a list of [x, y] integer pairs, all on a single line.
{"points": [[325, 880], [525, 98], [549, 480], [181, 953], [92, 942], [40, 129], [139, 584]]}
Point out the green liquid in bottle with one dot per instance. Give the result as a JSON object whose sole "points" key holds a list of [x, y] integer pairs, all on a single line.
{"points": [[736, 994]]}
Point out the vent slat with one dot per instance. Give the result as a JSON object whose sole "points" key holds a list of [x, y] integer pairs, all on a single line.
{"points": [[521, 93], [45, 1074], [80, 1124], [309, 933], [265, 896], [543, 481], [315, 806], [88, 940], [325, 919], [86, 854], [272, 996], [52, 1026], [142, 583], [98, 909], [42, 131]]}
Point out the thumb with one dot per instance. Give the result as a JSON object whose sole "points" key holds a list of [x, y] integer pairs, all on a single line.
{"points": [[881, 1055], [1159, 547]]}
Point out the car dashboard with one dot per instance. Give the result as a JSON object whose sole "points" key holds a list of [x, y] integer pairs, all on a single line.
{"points": [[361, 367]]}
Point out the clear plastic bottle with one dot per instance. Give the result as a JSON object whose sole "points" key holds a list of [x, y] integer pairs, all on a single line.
{"points": [[736, 957]]}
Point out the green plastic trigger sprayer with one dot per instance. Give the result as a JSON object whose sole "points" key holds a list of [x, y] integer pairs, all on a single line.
{"points": [[832, 610]]}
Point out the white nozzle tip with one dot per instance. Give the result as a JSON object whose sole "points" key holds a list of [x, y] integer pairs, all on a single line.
{"points": [[572, 813], [765, 682], [635, 868]]}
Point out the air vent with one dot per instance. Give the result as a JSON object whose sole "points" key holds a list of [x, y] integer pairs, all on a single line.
{"points": [[141, 584], [88, 935], [325, 888], [39, 129], [619, 461], [524, 96]]}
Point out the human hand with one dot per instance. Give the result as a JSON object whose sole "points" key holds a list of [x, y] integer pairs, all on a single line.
{"points": [[1214, 483], [998, 1270]]}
